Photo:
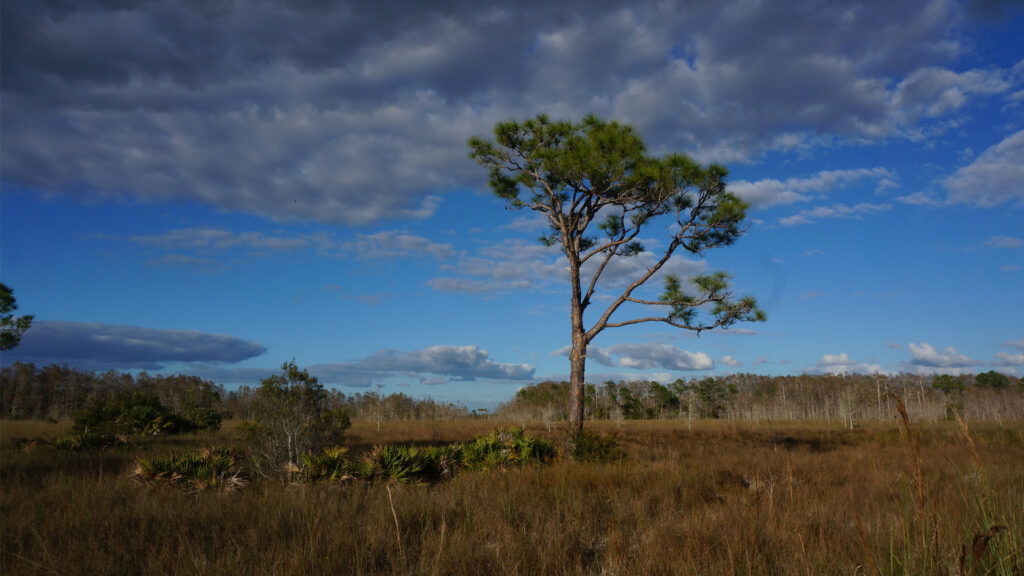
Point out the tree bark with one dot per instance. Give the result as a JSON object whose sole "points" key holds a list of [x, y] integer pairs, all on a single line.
{"points": [[577, 359], [578, 355]]}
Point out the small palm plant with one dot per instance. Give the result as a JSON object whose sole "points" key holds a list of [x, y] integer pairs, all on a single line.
{"points": [[441, 463], [331, 465], [391, 462], [205, 469], [506, 448]]}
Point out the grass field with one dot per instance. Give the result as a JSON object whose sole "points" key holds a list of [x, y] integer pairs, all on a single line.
{"points": [[720, 498]]}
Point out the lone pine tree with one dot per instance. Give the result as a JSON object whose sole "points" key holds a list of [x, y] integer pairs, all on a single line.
{"points": [[597, 174]]}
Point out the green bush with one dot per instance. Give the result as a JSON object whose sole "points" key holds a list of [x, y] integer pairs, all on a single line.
{"points": [[393, 462], [331, 465], [139, 413], [292, 416], [506, 448]]}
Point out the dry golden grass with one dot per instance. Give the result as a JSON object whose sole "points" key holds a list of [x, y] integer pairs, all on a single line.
{"points": [[720, 498]]}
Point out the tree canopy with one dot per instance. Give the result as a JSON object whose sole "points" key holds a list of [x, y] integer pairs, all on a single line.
{"points": [[11, 327]]}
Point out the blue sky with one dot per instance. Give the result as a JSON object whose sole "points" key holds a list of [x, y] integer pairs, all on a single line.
{"points": [[216, 188]]}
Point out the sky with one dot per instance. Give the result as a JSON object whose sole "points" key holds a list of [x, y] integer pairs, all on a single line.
{"points": [[218, 187]]}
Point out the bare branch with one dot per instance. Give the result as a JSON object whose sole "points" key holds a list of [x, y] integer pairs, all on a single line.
{"points": [[602, 322], [668, 321]]}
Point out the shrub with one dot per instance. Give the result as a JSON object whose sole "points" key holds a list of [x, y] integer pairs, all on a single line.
{"points": [[331, 464], [591, 447], [140, 413], [506, 448], [392, 462], [205, 469], [292, 417]]}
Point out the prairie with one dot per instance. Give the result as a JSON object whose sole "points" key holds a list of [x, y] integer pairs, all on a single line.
{"points": [[714, 497]]}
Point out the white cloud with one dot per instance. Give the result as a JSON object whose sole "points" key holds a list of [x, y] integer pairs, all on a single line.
{"points": [[449, 362], [842, 364], [771, 192], [645, 357], [1007, 359], [730, 361], [1018, 344], [835, 211], [926, 356], [595, 353], [995, 177], [393, 244]]}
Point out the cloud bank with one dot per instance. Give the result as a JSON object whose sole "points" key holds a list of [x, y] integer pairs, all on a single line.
{"points": [[358, 113], [432, 365], [93, 346]]}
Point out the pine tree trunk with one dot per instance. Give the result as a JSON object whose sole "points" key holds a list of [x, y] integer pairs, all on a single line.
{"points": [[577, 357], [577, 361]]}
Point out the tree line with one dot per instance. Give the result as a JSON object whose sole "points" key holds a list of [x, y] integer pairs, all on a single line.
{"points": [[845, 398], [64, 393], [61, 393]]}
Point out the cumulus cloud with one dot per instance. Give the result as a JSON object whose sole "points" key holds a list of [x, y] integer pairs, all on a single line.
{"points": [[359, 113], [926, 359], [842, 364], [93, 346], [835, 211], [771, 192], [730, 361], [646, 357], [995, 177], [429, 365], [1018, 344]]}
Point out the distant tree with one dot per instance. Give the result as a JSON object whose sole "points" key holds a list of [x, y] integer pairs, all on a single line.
{"points": [[714, 395], [665, 400], [291, 416], [947, 384], [597, 174], [11, 327], [137, 412], [992, 379]]}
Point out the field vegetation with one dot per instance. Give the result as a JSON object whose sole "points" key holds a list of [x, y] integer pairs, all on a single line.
{"points": [[656, 497]]}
